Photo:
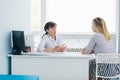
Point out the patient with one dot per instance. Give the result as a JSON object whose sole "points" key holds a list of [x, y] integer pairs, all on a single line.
{"points": [[101, 42], [50, 42]]}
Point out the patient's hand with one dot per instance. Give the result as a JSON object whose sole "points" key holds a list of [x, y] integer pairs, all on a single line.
{"points": [[83, 51]]}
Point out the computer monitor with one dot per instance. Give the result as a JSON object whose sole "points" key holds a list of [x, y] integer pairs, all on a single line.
{"points": [[18, 41]]}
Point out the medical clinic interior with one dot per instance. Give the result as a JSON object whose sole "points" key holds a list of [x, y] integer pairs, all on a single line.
{"points": [[59, 39]]}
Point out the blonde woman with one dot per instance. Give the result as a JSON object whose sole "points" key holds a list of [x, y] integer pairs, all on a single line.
{"points": [[101, 42]]}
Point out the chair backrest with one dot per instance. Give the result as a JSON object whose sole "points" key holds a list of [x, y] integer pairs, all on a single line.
{"points": [[107, 65], [108, 58]]}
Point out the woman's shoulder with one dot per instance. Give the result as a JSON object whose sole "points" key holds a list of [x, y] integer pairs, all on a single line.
{"points": [[98, 35], [45, 36]]}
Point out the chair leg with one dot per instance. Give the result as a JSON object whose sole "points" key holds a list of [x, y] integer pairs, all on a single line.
{"points": [[106, 79], [90, 77], [99, 78]]}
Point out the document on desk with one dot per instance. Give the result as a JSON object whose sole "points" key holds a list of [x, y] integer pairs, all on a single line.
{"points": [[37, 53], [57, 54], [53, 53], [72, 54], [66, 54]]}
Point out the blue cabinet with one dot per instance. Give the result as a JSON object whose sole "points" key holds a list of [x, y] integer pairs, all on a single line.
{"points": [[18, 77]]}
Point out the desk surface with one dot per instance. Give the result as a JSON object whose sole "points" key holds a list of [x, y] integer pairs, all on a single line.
{"points": [[56, 54], [18, 77]]}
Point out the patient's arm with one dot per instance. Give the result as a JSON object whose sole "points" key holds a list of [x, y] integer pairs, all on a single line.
{"points": [[83, 51]]}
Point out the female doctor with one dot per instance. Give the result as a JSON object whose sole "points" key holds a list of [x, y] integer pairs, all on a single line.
{"points": [[50, 42]]}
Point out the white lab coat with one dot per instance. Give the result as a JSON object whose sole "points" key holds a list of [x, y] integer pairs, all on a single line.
{"points": [[48, 42]]}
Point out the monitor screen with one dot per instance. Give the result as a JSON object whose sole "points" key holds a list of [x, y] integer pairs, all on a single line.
{"points": [[18, 40]]}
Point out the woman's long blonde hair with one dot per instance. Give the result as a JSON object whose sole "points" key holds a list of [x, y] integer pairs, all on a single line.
{"points": [[100, 26]]}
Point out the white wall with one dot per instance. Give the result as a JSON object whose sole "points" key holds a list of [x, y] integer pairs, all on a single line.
{"points": [[119, 28], [14, 14]]}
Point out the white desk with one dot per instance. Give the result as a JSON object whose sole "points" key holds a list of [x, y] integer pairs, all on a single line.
{"points": [[58, 66]]}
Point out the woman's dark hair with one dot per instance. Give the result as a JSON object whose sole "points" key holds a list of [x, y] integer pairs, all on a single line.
{"points": [[47, 26]]}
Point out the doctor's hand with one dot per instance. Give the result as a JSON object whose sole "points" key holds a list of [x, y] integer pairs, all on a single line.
{"points": [[63, 48], [57, 48], [60, 48]]}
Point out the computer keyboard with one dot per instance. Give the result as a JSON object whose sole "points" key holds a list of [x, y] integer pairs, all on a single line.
{"points": [[73, 50]]}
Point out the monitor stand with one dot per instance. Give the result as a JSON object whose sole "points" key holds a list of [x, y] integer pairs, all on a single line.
{"points": [[17, 52]]}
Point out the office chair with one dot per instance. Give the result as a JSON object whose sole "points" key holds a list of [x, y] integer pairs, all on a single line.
{"points": [[108, 66]]}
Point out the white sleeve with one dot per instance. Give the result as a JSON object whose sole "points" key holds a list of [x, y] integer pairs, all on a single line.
{"points": [[41, 45]]}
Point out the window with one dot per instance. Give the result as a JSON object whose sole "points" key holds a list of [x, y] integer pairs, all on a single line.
{"points": [[36, 15], [75, 16]]}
